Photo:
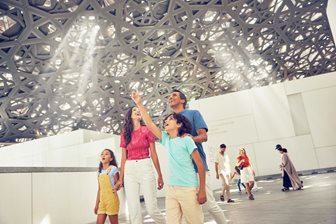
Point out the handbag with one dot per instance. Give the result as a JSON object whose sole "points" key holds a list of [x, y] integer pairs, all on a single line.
{"points": [[237, 169]]}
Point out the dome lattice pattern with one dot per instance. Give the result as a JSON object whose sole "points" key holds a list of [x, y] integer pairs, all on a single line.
{"points": [[69, 64]]}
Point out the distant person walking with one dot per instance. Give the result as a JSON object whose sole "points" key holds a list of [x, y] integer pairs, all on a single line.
{"points": [[289, 174], [223, 171], [237, 172], [247, 173]]}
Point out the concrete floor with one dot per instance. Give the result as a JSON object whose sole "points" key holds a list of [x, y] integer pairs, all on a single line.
{"points": [[315, 204]]}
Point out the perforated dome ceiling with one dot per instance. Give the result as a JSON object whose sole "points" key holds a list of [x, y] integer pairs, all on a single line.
{"points": [[72, 64]]}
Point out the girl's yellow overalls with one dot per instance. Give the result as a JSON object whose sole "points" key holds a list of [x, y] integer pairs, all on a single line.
{"points": [[109, 201]]}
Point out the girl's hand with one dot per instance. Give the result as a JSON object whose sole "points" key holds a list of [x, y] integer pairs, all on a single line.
{"points": [[136, 96], [160, 183], [95, 209], [201, 197], [118, 185]]}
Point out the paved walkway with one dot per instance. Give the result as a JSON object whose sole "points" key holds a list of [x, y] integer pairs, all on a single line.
{"points": [[315, 204]]}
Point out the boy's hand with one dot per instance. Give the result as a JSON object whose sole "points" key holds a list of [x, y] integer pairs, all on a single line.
{"points": [[136, 96], [201, 197]]}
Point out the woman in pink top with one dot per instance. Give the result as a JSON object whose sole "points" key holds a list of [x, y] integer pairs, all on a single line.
{"points": [[138, 153]]}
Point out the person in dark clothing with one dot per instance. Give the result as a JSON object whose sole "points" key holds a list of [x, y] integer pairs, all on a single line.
{"points": [[289, 174]]}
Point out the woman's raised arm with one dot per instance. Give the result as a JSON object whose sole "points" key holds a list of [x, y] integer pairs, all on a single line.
{"points": [[148, 120]]}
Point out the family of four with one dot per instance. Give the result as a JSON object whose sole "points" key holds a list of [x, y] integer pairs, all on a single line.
{"points": [[188, 185]]}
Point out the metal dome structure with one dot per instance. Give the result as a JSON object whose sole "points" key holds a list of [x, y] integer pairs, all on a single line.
{"points": [[69, 64]]}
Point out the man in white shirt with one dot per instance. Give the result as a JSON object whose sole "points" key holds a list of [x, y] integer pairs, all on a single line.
{"points": [[223, 170]]}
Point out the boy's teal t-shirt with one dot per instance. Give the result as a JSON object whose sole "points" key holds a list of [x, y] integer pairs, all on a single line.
{"points": [[181, 170]]}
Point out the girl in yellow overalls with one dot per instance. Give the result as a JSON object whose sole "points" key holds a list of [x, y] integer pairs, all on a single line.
{"points": [[107, 202]]}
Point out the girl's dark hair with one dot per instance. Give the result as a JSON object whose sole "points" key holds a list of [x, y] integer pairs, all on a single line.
{"points": [[113, 162], [128, 126], [180, 119], [282, 150]]}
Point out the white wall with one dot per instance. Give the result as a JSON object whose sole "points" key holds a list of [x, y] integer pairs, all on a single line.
{"points": [[299, 115], [60, 196], [64, 150], [16, 201], [44, 198], [332, 16]]}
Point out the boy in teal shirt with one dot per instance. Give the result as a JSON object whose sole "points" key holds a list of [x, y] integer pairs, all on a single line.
{"points": [[184, 195]]}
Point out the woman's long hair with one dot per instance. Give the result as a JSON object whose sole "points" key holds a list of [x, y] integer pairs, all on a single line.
{"points": [[128, 126], [113, 162], [244, 151]]}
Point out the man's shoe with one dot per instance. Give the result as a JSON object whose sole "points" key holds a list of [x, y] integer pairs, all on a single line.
{"points": [[230, 201]]}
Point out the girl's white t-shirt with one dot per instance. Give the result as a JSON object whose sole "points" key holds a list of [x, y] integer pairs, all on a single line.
{"points": [[113, 172]]}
